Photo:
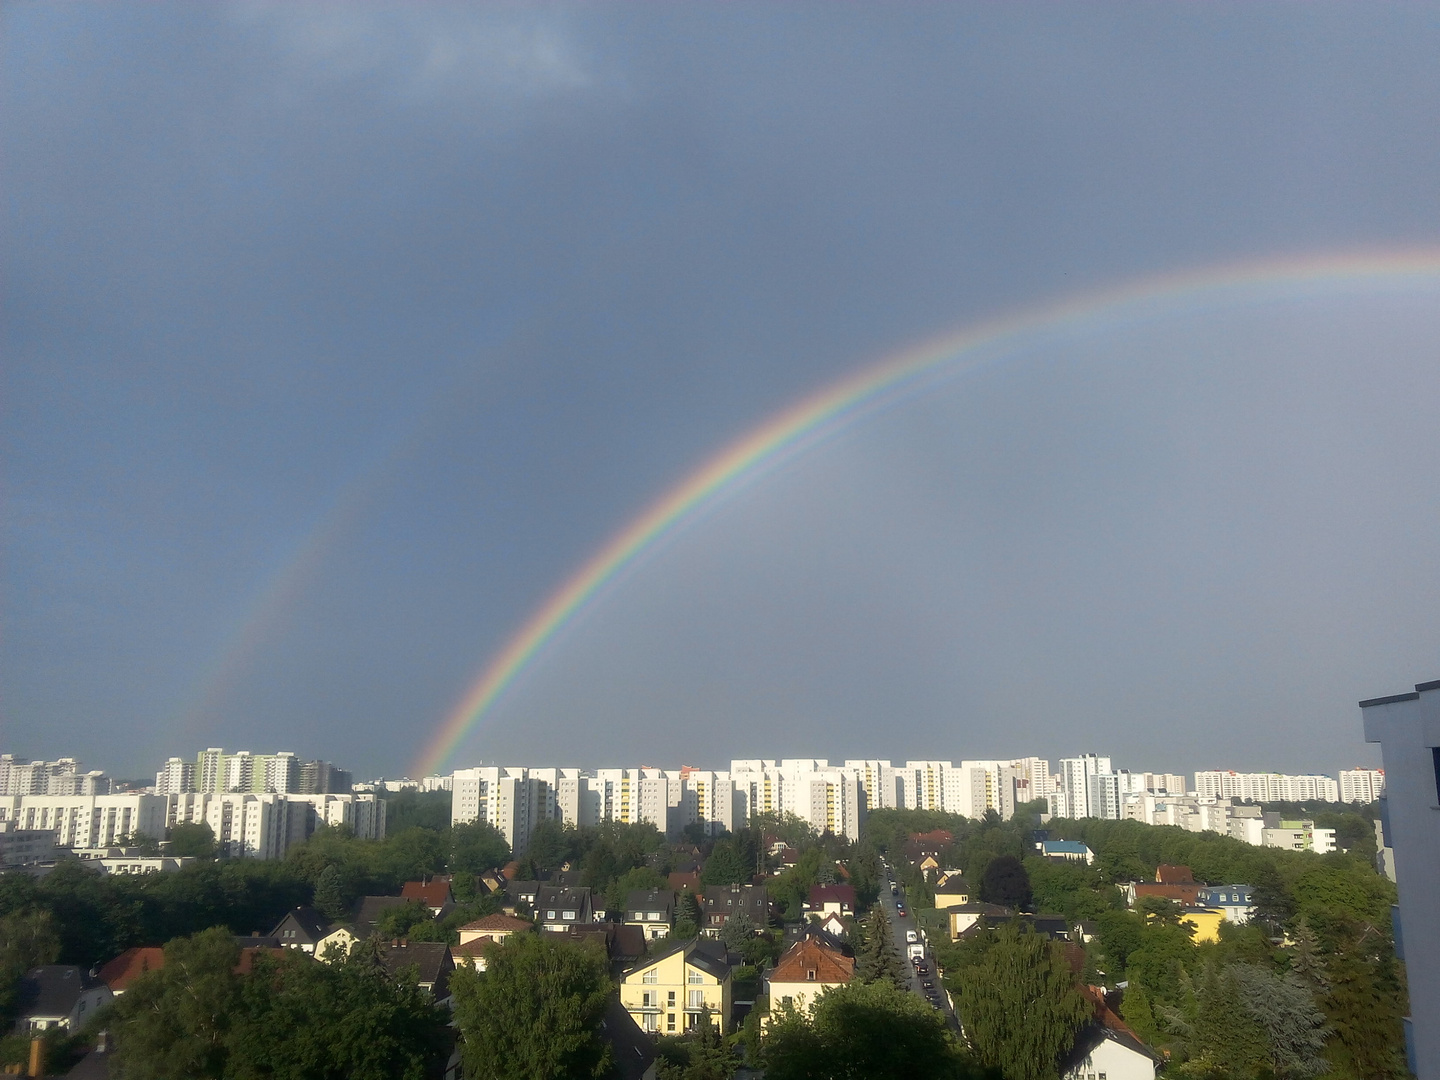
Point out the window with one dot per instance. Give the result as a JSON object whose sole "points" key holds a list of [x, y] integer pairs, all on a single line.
{"points": [[647, 1000], [693, 976], [651, 976], [550, 914], [669, 1021], [810, 975], [652, 1023], [672, 999], [567, 915], [697, 999]]}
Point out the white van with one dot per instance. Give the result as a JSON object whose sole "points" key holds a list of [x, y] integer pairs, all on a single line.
{"points": [[917, 952], [911, 936]]}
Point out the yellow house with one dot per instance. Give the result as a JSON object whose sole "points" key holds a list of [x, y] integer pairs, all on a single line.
{"points": [[951, 891], [1204, 921], [666, 994]]}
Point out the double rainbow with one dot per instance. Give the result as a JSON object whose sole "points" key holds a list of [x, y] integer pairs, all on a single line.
{"points": [[811, 420]]}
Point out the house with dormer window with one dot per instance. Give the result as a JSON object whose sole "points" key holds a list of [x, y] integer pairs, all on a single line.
{"points": [[667, 994], [805, 971], [652, 910]]}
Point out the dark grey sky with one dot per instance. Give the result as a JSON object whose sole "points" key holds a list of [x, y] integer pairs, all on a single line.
{"points": [[424, 303]]}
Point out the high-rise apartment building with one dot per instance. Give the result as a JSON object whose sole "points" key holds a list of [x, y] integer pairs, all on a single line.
{"points": [[1266, 787], [1362, 785], [1073, 789], [63, 777]]}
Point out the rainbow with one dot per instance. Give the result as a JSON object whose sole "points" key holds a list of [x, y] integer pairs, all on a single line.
{"points": [[814, 418]]}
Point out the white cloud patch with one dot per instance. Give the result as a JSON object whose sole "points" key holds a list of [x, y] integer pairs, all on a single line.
{"points": [[427, 52]]}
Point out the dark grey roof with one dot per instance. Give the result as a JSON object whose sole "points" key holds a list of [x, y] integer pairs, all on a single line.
{"points": [[52, 990], [431, 959], [630, 1048], [1093, 1034], [311, 925], [557, 896], [368, 912], [708, 955], [650, 900]]}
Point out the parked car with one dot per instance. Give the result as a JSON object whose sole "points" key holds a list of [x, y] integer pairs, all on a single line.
{"points": [[911, 937], [901, 911]]}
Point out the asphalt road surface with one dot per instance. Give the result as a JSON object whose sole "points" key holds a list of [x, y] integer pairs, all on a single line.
{"points": [[898, 927]]}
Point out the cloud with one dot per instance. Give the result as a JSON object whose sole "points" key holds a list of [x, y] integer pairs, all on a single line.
{"points": [[426, 53]]}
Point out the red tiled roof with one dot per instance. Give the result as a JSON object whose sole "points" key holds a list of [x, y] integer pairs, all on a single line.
{"points": [[810, 955], [689, 881], [433, 894], [820, 895], [1184, 893], [1167, 874], [119, 973]]}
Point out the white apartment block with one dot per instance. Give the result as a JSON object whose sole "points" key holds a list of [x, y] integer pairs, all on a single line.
{"points": [[87, 821], [503, 796], [1362, 785], [828, 799], [881, 782], [264, 826], [983, 786], [1266, 787], [176, 778], [1073, 792], [1166, 783], [710, 799], [63, 777]]}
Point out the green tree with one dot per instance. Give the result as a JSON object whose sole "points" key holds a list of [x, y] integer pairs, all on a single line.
{"points": [[192, 839], [475, 848], [727, 865], [534, 1013], [877, 959], [1136, 1011], [329, 900], [700, 1054], [28, 938], [1020, 1006], [175, 1023], [1006, 882], [872, 1031], [738, 932], [640, 877], [340, 1021]]}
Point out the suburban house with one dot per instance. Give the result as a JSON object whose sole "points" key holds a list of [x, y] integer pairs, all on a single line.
{"points": [[951, 891], [623, 945], [434, 894], [1204, 922], [1068, 850], [831, 900], [429, 961], [964, 916], [1106, 1047], [1184, 893], [1233, 901], [58, 995], [477, 936], [1170, 874], [669, 992], [726, 902], [559, 908], [805, 971], [303, 928], [834, 925], [682, 880], [651, 910], [120, 972], [368, 912], [520, 897]]}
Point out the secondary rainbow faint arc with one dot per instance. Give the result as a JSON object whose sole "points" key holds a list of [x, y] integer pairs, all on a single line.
{"points": [[837, 403]]}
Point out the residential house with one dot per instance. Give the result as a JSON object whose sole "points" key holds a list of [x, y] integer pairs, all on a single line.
{"points": [[1234, 901], [58, 995], [434, 894], [951, 891], [1068, 850], [668, 993], [805, 971], [726, 902], [427, 963], [1168, 874], [835, 926], [120, 972], [964, 916], [1184, 893], [520, 897], [558, 908], [623, 945], [1106, 1048], [368, 912], [340, 939], [679, 881], [303, 928], [1204, 922], [477, 936], [651, 910], [831, 900]]}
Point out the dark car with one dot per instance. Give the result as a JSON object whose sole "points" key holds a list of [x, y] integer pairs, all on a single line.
{"points": [[894, 890], [901, 911], [928, 984]]}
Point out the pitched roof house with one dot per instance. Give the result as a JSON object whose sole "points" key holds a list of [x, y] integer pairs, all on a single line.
{"points": [[1106, 1046], [831, 900], [58, 995], [1168, 874], [120, 972], [805, 971], [559, 908], [368, 911], [434, 894], [726, 902], [669, 992], [1186, 894], [485, 933], [430, 960], [651, 910], [303, 928]]}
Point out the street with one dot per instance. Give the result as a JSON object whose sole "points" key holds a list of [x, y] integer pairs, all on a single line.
{"points": [[899, 925]]}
